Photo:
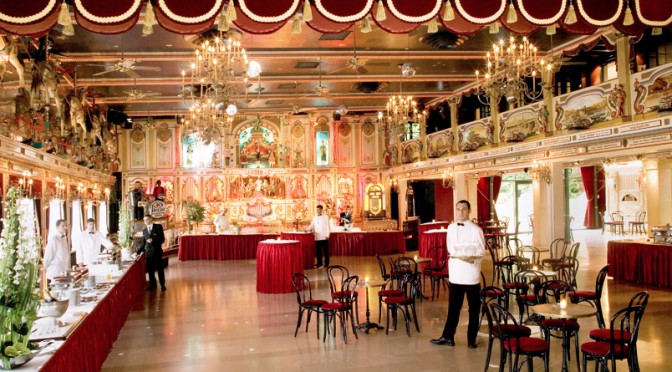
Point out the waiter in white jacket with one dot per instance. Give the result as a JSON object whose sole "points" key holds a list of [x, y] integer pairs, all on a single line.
{"points": [[57, 252], [89, 244], [320, 225], [466, 247]]}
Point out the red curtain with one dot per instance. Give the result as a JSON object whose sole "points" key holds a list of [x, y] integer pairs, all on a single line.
{"points": [[588, 179], [483, 201], [443, 202]]}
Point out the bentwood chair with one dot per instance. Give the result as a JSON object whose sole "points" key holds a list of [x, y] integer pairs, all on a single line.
{"points": [[516, 345], [304, 297], [528, 294], [640, 299], [527, 257], [499, 261], [638, 224], [337, 275], [342, 309], [594, 298], [438, 256], [494, 326], [408, 265], [405, 304], [622, 342], [556, 251]]}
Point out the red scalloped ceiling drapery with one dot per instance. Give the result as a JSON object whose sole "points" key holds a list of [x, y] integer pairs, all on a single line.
{"points": [[36, 17]]}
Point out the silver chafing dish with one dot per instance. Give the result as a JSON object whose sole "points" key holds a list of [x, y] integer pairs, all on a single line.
{"points": [[662, 234]]}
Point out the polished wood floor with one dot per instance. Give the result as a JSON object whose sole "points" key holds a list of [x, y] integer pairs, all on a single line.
{"points": [[212, 318]]}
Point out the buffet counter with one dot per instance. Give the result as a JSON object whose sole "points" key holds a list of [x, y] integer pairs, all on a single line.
{"points": [[641, 262], [220, 246], [368, 243], [94, 326]]}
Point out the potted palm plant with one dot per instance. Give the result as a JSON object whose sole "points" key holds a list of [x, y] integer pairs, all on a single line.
{"points": [[125, 237], [195, 213]]}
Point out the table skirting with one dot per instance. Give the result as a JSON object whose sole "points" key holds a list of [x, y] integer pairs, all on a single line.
{"points": [[276, 262], [640, 262], [307, 241], [220, 247], [424, 242], [88, 346], [366, 243]]}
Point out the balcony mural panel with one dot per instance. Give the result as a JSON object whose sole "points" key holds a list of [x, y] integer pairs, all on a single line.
{"points": [[475, 135], [520, 124], [410, 151], [652, 90], [439, 143], [590, 106]]}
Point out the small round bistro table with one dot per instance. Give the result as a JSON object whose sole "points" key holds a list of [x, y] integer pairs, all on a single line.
{"points": [[572, 311], [368, 284], [277, 260]]}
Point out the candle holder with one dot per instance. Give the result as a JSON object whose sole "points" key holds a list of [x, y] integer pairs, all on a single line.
{"points": [[26, 184]]}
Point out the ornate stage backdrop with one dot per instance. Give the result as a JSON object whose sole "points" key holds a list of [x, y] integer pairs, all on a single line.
{"points": [[266, 171]]}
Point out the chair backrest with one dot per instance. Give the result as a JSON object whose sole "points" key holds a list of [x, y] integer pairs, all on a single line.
{"points": [[528, 256], [616, 216], [514, 245], [406, 264], [599, 281], [406, 285], [506, 270], [641, 217], [534, 279], [557, 248], [573, 250], [569, 267], [555, 290], [640, 299], [381, 264], [350, 287], [483, 283], [486, 299], [301, 285], [625, 320], [530, 218], [504, 318], [438, 255], [337, 275]]}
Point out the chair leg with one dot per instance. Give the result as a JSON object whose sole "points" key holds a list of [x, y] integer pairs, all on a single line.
{"points": [[357, 309], [529, 363], [380, 308], [576, 348], [298, 322], [310, 311], [354, 326], [318, 323], [387, 328], [489, 354], [415, 318]]}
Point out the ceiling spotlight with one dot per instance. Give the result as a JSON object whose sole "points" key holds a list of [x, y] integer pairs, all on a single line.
{"points": [[342, 110], [407, 69], [231, 109], [253, 69]]}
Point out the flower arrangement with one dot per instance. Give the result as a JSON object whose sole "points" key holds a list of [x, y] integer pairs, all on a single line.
{"points": [[125, 238], [19, 266], [195, 212]]}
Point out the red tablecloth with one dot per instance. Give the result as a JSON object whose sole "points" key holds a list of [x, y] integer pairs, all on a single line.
{"points": [[434, 239], [423, 243], [307, 241], [644, 263], [366, 243], [276, 262], [220, 247], [87, 347]]}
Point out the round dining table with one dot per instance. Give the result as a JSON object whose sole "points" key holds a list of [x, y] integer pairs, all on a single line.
{"points": [[571, 311], [277, 261]]}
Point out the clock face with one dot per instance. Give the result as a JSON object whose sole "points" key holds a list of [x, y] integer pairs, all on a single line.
{"points": [[137, 135]]}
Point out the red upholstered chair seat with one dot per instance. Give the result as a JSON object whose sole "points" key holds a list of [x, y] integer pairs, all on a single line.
{"points": [[604, 348], [342, 294], [528, 345], [528, 297], [398, 300], [391, 292], [512, 330], [513, 285], [313, 303], [584, 294], [335, 306], [570, 324], [604, 334], [494, 292]]}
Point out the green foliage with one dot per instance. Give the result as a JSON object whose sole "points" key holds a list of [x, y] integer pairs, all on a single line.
{"points": [[125, 238], [195, 211]]}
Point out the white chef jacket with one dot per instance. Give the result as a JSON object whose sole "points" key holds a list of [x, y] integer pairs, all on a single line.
{"points": [[221, 222], [465, 241], [56, 255], [320, 225], [89, 246]]}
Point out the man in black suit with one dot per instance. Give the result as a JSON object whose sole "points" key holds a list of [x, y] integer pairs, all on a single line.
{"points": [[346, 217], [152, 238]]}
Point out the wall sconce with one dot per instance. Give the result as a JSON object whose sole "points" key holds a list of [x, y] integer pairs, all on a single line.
{"points": [[448, 180], [394, 184], [26, 184], [541, 172]]}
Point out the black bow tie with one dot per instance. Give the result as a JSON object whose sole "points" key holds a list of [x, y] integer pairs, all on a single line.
{"points": [[460, 224], [63, 236], [91, 232]]}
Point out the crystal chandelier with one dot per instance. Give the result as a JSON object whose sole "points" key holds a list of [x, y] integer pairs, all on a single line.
{"points": [[508, 71], [218, 76], [541, 172], [400, 111]]}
